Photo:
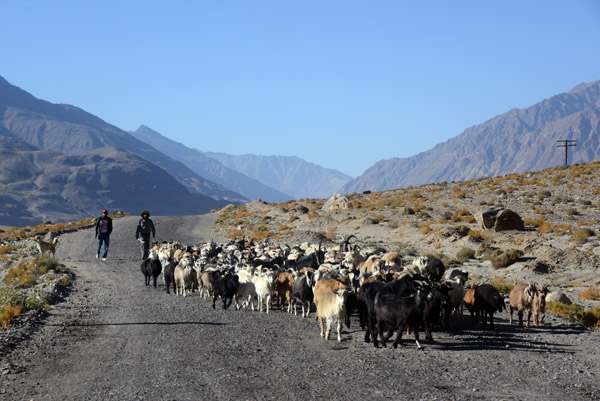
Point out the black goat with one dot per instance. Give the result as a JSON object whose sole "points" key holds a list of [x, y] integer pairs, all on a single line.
{"points": [[431, 314], [151, 268], [397, 313], [169, 275], [368, 292], [225, 287], [302, 292], [270, 264], [488, 300], [434, 270]]}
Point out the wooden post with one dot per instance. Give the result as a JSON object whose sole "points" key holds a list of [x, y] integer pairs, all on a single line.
{"points": [[566, 143]]}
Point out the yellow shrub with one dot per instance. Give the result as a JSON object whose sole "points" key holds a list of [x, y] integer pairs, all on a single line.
{"points": [[590, 294]]}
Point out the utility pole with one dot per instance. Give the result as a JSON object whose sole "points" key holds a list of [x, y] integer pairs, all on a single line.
{"points": [[566, 143]]}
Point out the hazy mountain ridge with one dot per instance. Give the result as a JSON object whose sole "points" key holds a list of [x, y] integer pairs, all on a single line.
{"points": [[519, 140], [39, 184], [69, 129], [210, 168], [290, 174]]}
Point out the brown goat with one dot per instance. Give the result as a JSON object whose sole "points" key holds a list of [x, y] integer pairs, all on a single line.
{"points": [[539, 305], [283, 289], [521, 299], [471, 303]]}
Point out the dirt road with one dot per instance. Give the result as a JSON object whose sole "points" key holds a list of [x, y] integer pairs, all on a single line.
{"points": [[115, 339]]}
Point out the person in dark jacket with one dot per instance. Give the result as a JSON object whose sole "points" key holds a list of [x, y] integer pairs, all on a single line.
{"points": [[103, 230], [144, 229]]}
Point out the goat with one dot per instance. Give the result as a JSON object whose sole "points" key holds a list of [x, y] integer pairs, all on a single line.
{"points": [[539, 305], [331, 310], [302, 292], [206, 282], [151, 267], [324, 286], [470, 302], [169, 274], [283, 289], [185, 276], [521, 299], [434, 270], [488, 301], [438, 298], [367, 295], [456, 294], [264, 289], [397, 313], [225, 287]]}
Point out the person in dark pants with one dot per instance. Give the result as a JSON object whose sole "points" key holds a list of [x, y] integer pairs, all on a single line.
{"points": [[103, 230], [144, 229]]}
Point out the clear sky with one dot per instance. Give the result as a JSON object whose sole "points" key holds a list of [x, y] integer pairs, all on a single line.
{"points": [[342, 84]]}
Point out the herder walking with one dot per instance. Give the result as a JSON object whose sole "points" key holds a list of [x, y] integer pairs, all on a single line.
{"points": [[144, 229], [103, 230]]}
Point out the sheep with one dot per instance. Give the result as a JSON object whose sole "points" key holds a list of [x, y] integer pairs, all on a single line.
{"points": [[539, 305], [521, 299], [332, 310], [151, 268]]}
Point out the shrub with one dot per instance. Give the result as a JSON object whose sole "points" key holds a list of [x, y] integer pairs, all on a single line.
{"points": [[581, 236], [576, 313], [25, 274], [507, 258], [464, 254], [14, 302], [503, 288], [590, 294]]}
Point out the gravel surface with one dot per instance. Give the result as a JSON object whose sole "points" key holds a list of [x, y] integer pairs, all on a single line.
{"points": [[114, 338]]}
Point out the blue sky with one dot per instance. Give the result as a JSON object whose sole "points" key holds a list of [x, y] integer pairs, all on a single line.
{"points": [[342, 84]]}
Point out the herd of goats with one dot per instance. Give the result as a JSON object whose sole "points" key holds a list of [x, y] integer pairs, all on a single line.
{"points": [[387, 294]]}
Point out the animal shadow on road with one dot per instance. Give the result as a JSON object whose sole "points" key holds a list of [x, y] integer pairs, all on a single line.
{"points": [[143, 324]]}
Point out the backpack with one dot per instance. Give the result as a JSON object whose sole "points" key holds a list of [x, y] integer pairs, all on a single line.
{"points": [[145, 226]]}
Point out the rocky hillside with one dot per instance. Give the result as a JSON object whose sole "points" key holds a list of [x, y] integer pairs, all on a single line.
{"points": [[290, 174], [519, 140], [210, 168], [38, 185], [68, 129], [558, 245]]}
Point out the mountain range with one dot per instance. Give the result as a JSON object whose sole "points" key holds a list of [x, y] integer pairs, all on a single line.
{"points": [[291, 174], [60, 162], [517, 141]]}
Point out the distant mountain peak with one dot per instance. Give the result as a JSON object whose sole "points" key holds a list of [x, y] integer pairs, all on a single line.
{"points": [[517, 141]]}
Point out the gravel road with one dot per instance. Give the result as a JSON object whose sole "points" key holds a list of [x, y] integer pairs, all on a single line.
{"points": [[113, 338]]}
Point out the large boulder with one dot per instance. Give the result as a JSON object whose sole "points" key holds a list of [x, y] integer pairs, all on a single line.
{"points": [[558, 296], [337, 202], [487, 219], [499, 220], [508, 220]]}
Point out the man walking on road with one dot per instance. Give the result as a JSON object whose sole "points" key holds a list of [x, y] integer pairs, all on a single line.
{"points": [[103, 230], [144, 229]]}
